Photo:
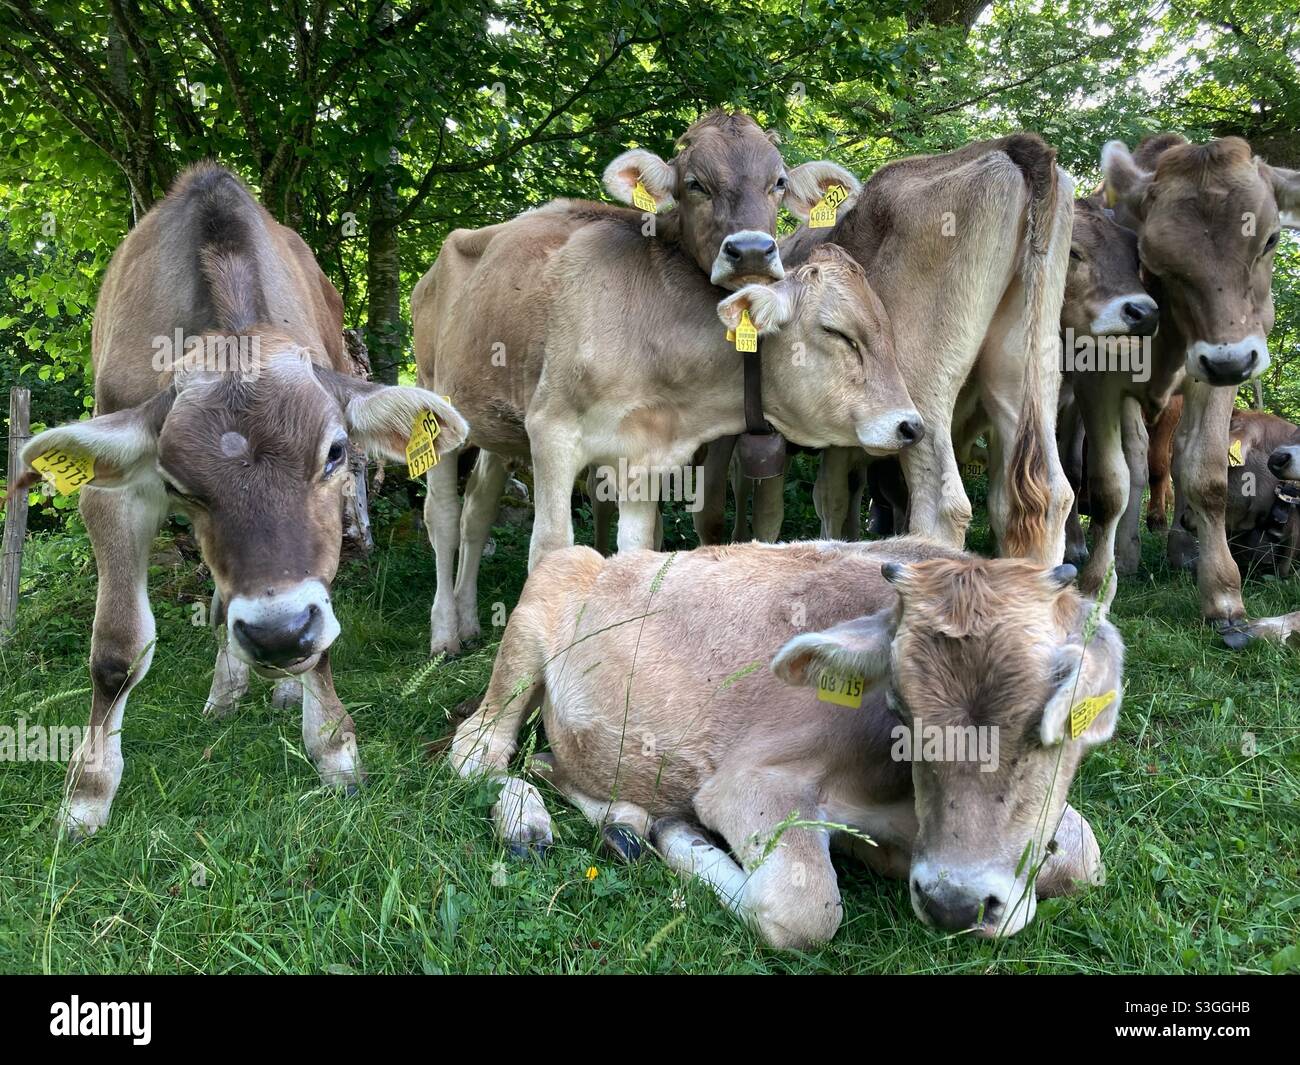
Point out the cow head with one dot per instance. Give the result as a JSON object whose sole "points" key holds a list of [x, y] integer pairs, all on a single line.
{"points": [[259, 462], [1103, 292], [829, 372], [728, 180], [1208, 218], [998, 644]]}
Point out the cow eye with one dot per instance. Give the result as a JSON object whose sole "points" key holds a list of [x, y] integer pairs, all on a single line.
{"points": [[174, 491], [847, 339], [693, 184], [337, 452], [1271, 243], [1076, 256], [779, 185]]}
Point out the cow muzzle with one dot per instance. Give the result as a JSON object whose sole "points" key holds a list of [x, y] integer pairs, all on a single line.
{"points": [[890, 433], [748, 257], [1227, 364], [1284, 463], [1129, 315], [986, 901], [283, 630]]}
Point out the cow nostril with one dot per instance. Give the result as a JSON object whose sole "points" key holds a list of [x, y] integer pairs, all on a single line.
{"points": [[730, 250], [992, 904], [770, 250], [911, 429], [1133, 312]]}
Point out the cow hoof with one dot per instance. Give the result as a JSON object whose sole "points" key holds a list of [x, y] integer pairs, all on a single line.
{"points": [[532, 850], [622, 843], [352, 790], [1236, 634]]}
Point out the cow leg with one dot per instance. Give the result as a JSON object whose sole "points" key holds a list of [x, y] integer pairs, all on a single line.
{"points": [[831, 490], [442, 518], [122, 524], [1074, 860], [1201, 471], [482, 503], [769, 508], [709, 519], [328, 734], [1128, 543], [938, 507], [638, 525], [742, 491], [602, 513], [857, 491], [1180, 547], [229, 682], [1108, 492], [787, 889], [557, 461], [487, 739], [1069, 437], [1158, 466], [600, 812]]}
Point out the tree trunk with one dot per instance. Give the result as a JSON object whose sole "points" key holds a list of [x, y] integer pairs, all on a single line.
{"points": [[11, 546], [385, 334]]}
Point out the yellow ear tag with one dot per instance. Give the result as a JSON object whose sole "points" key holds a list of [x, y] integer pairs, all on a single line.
{"points": [[1085, 711], [1234, 454], [421, 455], [66, 470], [822, 215], [746, 334], [843, 689], [1112, 197], [643, 200]]}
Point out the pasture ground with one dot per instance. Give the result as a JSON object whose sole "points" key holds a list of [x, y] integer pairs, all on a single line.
{"points": [[223, 854]]}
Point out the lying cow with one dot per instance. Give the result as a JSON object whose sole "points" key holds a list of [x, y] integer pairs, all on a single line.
{"points": [[1262, 522], [1208, 218], [983, 234], [660, 720], [250, 441], [483, 313]]}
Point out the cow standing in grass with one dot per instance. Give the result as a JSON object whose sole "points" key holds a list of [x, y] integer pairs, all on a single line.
{"points": [[967, 252], [245, 431], [484, 314], [1208, 218], [650, 671]]}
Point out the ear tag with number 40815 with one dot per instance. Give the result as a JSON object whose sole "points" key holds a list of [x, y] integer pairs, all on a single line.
{"points": [[66, 470], [843, 689], [421, 455], [822, 216]]}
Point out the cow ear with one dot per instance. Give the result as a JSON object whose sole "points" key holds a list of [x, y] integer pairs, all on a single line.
{"points": [[1286, 187], [656, 177], [769, 306], [859, 646], [123, 445], [380, 418], [1126, 182], [807, 183], [1091, 692]]}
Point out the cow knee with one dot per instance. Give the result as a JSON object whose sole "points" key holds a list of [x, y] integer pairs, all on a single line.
{"points": [[112, 674], [794, 907]]}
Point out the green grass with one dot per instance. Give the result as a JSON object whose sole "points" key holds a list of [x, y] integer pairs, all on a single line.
{"points": [[223, 855]]}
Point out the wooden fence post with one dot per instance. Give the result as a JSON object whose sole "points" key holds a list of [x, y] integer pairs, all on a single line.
{"points": [[11, 546]]}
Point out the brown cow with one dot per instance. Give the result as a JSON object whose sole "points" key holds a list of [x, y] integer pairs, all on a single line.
{"points": [[1208, 218], [482, 312], [1263, 526], [660, 720], [253, 448], [968, 253]]}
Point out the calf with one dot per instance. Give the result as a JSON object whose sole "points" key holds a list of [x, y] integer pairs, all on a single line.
{"points": [[1208, 217], [968, 253], [660, 719], [246, 435], [483, 314]]}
